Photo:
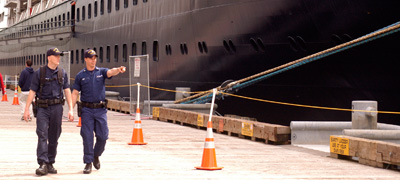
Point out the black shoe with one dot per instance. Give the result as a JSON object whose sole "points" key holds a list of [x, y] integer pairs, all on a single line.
{"points": [[88, 168], [96, 162], [51, 169], [42, 170]]}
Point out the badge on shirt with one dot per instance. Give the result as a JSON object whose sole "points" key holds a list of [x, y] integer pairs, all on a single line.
{"points": [[99, 76]]}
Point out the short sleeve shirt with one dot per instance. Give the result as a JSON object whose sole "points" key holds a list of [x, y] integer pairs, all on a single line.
{"points": [[51, 89], [91, 84]]}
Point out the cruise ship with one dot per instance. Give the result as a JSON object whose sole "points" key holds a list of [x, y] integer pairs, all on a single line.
{"points": [[202, 43]]}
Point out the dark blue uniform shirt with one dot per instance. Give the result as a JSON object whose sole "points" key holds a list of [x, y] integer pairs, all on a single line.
{"points": [[51, 89], [91, 84]]}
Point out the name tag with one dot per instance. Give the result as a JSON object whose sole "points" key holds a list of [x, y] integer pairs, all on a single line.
{"points": [[99, 76]]}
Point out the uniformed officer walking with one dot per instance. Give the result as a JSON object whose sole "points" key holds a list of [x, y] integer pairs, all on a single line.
{"points": [[48, 83], [90, 82]]}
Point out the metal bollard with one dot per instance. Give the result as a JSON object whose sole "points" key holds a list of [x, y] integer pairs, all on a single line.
{"points": [[183, 92], [364, 120]]}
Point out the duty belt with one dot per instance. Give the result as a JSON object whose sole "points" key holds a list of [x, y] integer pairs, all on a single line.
{"points": [[50, 101], [94, 105]]}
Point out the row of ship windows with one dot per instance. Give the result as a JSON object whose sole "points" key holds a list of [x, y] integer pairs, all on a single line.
{"points": [[109, 8], [77, 55], [65, 20], [296, 43]]}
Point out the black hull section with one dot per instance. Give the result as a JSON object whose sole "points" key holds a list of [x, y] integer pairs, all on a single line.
{"points": [[241, 38]]}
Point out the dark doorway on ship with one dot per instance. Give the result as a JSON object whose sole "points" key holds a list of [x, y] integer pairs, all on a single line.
{"points": [[73, 17]]}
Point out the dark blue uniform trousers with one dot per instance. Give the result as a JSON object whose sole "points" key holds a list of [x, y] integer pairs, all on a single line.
{"points": [[48, 130], [93, 120]]}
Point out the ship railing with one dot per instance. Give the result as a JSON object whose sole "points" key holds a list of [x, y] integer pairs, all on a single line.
{"points": [[36, 9], [8, 1], [17, 32]]}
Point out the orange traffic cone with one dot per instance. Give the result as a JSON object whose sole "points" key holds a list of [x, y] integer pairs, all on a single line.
{"points": [[4, 98], [15, 100], [209, 161], [79, 123], [137, 136]]}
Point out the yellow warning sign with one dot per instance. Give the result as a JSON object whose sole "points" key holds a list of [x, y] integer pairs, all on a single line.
{"points": [[339, 145], [156, 112], [200, 120], [247, 129]]}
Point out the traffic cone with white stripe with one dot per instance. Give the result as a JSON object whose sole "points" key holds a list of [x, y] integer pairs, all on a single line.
{"points": [[209, 161], [79, 123], [137, 136], [15, 100], [4, 98]]}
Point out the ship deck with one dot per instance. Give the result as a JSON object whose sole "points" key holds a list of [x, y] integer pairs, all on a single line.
{"points": [[172, 152]]}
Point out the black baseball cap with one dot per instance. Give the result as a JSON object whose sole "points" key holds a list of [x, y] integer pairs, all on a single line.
{"points": [[90, 53], [54, 52]]}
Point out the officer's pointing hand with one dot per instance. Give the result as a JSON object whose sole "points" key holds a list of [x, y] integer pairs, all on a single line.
{"points": [[122, 69]]}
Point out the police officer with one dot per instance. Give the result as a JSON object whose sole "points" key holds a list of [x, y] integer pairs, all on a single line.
{"points": [[48, 83], [90, 82]]}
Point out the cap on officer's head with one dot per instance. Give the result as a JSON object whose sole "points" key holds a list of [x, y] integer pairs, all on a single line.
{"points": [[90, 53], [54, 52]]}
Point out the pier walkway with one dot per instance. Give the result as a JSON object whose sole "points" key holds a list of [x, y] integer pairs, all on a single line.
{"points": [[172, 152]]}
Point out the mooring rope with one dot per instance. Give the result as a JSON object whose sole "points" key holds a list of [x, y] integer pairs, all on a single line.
{"points": [[245, 82]]}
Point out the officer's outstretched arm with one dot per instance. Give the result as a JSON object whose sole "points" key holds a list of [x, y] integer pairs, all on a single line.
{"points": [[67, 92], [116, 71], [28, 103]]}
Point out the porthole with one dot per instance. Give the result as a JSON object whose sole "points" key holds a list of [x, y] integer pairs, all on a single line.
{"points": [[300, 41], [205, 47], [185, 48], [144, 48], [233, 47], [77, 57], [82, 56], [347, 37], [226, 46], [108, 54], [200, 47], [116, 5], [95, 9], [89, 11], [116, 53], [254, 44], [126, 3], [124, 53], [170, 49], [182, 50], [133, 50], [155, 51], [72, 56], [101, 54], [336, 39], [166, 49], [260, 43], [292, 43]]}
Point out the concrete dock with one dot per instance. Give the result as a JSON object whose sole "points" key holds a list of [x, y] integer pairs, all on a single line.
{"points": [[172, 152]]}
